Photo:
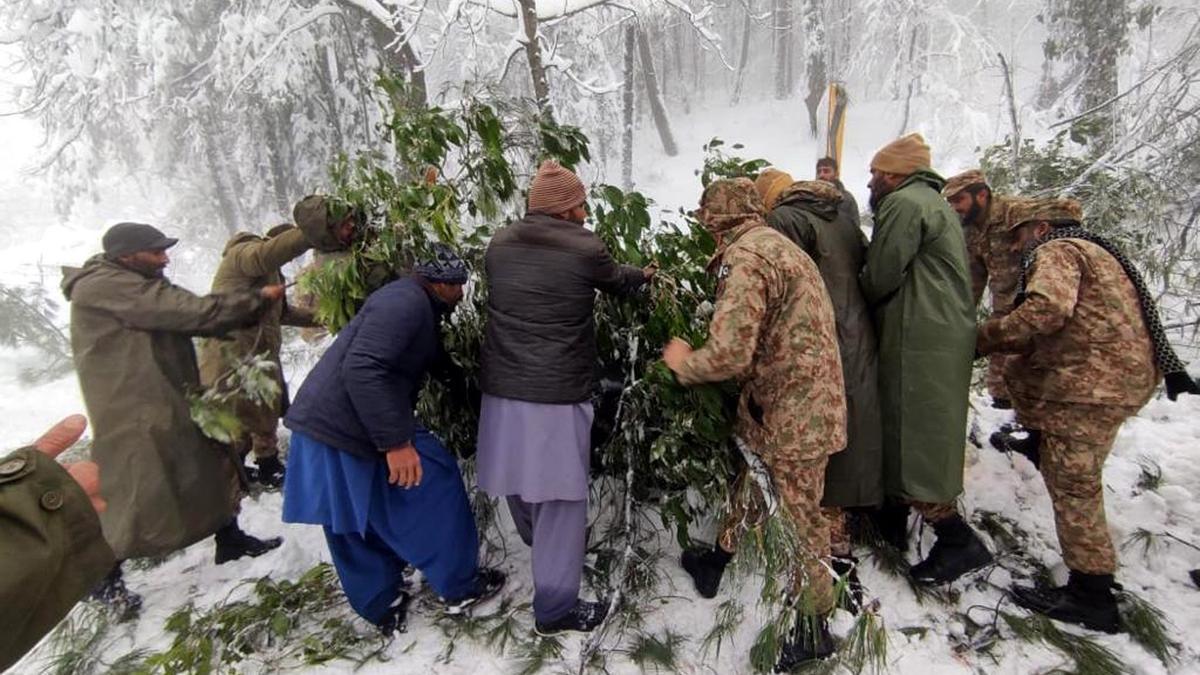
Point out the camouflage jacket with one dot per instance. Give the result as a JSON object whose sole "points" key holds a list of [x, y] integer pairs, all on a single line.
{"points": [[993, 264], [773, 331], [1080, 332]]}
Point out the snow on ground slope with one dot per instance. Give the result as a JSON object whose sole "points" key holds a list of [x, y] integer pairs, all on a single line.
{"points": [[1164, 434]]}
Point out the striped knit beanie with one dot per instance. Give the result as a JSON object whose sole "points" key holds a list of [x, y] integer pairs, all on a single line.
{"points": [[555, 190]]}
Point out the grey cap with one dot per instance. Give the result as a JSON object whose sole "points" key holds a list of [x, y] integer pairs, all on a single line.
{"points": [[124, 238]]}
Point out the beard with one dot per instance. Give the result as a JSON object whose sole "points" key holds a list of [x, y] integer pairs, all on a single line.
{"points": [[974, 214], [877, 195]]}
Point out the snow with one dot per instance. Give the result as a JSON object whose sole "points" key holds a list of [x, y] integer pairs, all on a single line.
{"points": [[1165, 433]]}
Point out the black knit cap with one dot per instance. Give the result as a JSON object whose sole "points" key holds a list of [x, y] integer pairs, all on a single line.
{"points": [[442, 266], [125, 238]]}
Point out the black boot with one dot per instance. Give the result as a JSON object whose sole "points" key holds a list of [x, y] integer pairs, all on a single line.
{"points": [[706, 565], [396, 619], [116, 596], [847, 567], [1195, 575], [582, 618], [1002, 403], [1006, 441], [810, 641], [270, 472], [1087, 600], [957, 551], [232, 544], [891, 525], [488, 582]]}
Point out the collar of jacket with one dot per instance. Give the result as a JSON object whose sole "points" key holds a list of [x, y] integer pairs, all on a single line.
{"points": [[440, 308], [729, 234]]}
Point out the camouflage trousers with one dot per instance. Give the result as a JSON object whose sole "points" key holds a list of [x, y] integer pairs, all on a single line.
{"points": [[839, 535], [799, 485], [1076, 440], [934, 512], [997, 365]]}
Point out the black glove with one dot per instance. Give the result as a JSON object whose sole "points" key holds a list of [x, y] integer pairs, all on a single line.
{"points": [[1181, 383]]}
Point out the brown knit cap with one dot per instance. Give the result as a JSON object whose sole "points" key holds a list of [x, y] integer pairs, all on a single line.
{"points": [[555, 190], [770, 184], [962, 181], [1050, 209], [903, 156]]}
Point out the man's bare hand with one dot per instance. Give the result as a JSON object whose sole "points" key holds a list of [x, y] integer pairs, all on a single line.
{"points": [[56, 441], [676, 353], [649, 271], [404, 466], [273, 292]]}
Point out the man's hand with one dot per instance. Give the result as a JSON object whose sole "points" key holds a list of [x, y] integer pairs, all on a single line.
{"points": [[56, 441], [273, 292], [675, 353], [649, 271], [404, 466]]}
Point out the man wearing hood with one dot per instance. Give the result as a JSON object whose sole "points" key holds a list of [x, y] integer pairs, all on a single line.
{"points": [[166, 484], [773, 331], [917, 284], [809, 214], [249, 262]]}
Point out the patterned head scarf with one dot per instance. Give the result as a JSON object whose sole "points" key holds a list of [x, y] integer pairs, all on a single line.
{"points": [[442, 266]]}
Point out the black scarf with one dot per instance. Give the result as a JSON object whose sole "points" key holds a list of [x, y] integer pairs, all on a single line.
{"points": [[1177, 379]]}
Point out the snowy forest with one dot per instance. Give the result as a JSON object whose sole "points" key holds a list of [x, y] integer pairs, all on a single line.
{"points": [[208, 118]]}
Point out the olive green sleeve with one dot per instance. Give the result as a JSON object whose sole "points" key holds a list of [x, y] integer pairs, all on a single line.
{"points": [[260, 257], [52, 552], [157, 304]]}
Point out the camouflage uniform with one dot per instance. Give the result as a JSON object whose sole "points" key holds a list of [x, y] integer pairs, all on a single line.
{"points": [[993, 263], [1084, 363], [773, 330]]}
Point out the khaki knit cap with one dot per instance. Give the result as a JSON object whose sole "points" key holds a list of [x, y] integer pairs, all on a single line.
{"points": [[1050, 209], [962, 181], [555, 190], [770, 184], [903, 156]]}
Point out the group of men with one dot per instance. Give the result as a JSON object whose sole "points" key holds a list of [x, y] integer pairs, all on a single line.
{"points": [[854, 360]]}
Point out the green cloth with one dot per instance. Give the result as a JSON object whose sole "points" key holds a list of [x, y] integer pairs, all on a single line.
{"points": [[917, 283], [52, 552]]}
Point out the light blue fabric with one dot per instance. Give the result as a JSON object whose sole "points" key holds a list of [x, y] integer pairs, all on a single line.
{"points": [[540, 452]]}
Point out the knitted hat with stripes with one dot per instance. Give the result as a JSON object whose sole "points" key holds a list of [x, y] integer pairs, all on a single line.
{"points": [[555, 190]]}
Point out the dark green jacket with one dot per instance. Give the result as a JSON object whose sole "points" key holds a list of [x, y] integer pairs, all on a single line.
{"points": [[166, 484], [838, 247], [51, 550], [248, 263], [919, 289]]}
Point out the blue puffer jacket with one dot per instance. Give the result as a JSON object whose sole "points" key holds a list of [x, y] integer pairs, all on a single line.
{"points": [[360, 396]]}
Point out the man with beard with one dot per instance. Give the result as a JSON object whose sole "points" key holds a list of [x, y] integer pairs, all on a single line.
{"points": [[1089, 350], [167, 485], [827, 170], [917, 284], [993, 263]]}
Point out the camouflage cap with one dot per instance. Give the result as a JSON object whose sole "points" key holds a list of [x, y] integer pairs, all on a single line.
{"points": [[816, 190], [727, 202], [1050, 209], [962, 181]]}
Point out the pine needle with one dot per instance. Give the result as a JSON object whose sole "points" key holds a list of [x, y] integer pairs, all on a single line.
{"points": [[656, 651], [1090, 658], [866, 646], [538, 653], [1147, 626], [729, 616]]}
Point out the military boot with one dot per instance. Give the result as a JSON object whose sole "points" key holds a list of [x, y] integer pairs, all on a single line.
{"points": [[706, 565], [846, 568], [1087, 600], [890, 522], [810, 641], [116, 596], [233, 543], [1030, 446], [270, 472], [957, 551]]}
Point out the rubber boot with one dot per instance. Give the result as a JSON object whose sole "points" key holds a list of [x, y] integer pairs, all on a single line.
{"points": [[1086, 600], [232, 544], [957, 551], [706, 565], [116, 596], [810, 641]]}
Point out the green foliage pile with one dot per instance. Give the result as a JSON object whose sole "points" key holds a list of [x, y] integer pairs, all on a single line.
{"points": [[214, 410]]}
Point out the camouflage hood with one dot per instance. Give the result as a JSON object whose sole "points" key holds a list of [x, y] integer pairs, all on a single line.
{"points": [[818, 196], [729, 208]]}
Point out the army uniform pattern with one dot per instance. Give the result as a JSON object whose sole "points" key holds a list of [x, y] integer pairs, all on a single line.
{"points": [[839, 534], [773, 331], [1084, 363], [995, 266]]}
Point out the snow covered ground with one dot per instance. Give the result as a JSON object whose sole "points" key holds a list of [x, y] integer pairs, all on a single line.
{"points": [[1164, 433]]}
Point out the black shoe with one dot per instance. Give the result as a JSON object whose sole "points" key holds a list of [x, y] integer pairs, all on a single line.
{"points": [[1029, 446], [706, 565], [582, 618], [810, 641], [116, 596], [891, 525], [847, 567], [957, 551], [1195, 575], [1002, 403], [488, 582], [1086, 600], [396, 620], [270, 472], [232, 544]]}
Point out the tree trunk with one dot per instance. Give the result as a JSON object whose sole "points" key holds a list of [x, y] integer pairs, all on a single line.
{"points": [[627, 110], [657, 110], [275, 150], [1012, 115], [747, 25], [912, 83], [401, 60], [817, 75], [533, 54], [783, 38], [325, 79], [226, 205]]}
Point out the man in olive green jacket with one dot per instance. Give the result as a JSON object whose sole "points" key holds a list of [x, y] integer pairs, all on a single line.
{"points": [[52, 551], [166, 484], [918, 286], [248, 263]]}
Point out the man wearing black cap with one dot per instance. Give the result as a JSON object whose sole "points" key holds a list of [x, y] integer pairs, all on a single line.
{"points": [[166, 484]]}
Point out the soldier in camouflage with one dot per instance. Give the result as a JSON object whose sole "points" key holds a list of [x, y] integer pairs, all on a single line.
{"points": [[1083, 361], [994, 264], [774, 332]]}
